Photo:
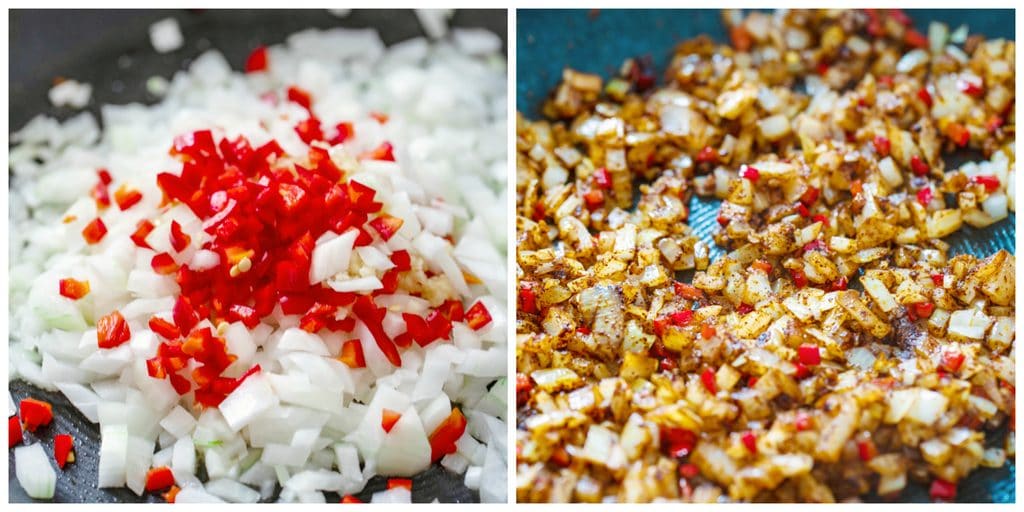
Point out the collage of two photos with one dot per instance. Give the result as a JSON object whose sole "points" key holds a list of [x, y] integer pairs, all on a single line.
{"points": [[495, 256]]}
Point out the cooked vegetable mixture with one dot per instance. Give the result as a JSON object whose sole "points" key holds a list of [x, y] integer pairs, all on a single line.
{"points": [[838, 349]]}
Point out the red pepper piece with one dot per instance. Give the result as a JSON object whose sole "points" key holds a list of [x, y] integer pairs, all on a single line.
{"points": [[440, 326], [73, 288], [594, 199], [856, 187], [749, 439], [915, 39], [101, 194], [941, 490], [14, 433], [809, 355], [179, 239], [399, 483], [104, 176], [750, 173], [918, 166], [184, 315], [925, 196], [677, 442], [707, 155], [688, 291], [840, 284], [820, 218], [708, 331], [155, 368], [444, 437], [345, 131], [371, 315], [35, 413], [257, 60], [527, 299], [802, 422], [309, 130], [388, 419], [991, 183], [245, 314], [348, 498], [866, 449], [810, 195], [681, 318], [163, 328], [126, 197], [163, 264], [762, 265], [477, 316], [386, 225], [744, 308], [994, 123], [172, 494], [815, 245], [385, 151], [62, 446], [181, 384], [925, 96], [958, 134], [938, 279], [802, 210], [401, 260], [523, 388], [740, 37], [799, 278], [603, 178], [970, 88], [380, 117], [141, 232], [707, 377], [952, 360], [688, 470], [882, 145], [299, 95], [802, 371], [352, 354], [112, 330], [94, 231], [158, 479]]}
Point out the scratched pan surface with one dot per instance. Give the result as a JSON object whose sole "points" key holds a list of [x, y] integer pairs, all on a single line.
{"points": [[110, 49], [597, 41]]}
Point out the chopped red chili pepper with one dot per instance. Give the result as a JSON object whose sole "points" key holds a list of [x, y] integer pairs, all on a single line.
{"points": [[856, 187], [388, 419], [810, 196], [603, 178], [527, 299], [918, 166], [257, 60], [802, 210], [35, 413], [952, 360], [681, 318], [399, 483], [809, 355], [126, 197], [915, 39], [762, 265], [296, 94], [688, 470], [101, 194], [159, 478], [94, 231], [677, 442], [741, 38], [385, 151], [722, 220], [386, 225], [802, 370], [707, 155], [994, 123], [938, 279], [707, 377], [941, 490], [688, 291], [309, 130], [73, 288], [820, 218], [750, 173], [991, 183], [172, 494], [970, 88], [14, 433], [444, 437], [799, 278], [62, 446], [708, 331], [523, 387], [958, 134], [750, 441], [141, 232], [348, 498], [925, 96], [866, 449], [925, 196], [112, 330], [594, 199], [744, 308], [815, 245], [163, 264], [802, 422], [882, 145], [477, 316]]}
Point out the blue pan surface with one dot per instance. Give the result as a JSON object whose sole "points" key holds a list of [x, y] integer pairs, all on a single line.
{"points": [[597, 41]]}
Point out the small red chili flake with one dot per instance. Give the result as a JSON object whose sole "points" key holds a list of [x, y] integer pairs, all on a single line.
{"points": [[915, 39], [527, 299], [385, 151], [925, 96], [388, 419], [882, 145], [840, 284], [808, 354], [919, 167], [991, 183], [14, 434], [126, 197], [62, 446], [750, 441], [707, 155], [348, 498], [923, 309], [994, 123], [603, 178], [101, 195], [958, 134], [744, 308], [172, 494], [399, 483], [658, 325], [925, 196], [707, 377], [750, 173], [708, 331], [952, 360], [179, 240], [820, 218], [810, 196], [856, 187], [104, 176], [141, 232], [346, 130], [901, 17], [401, 260], [299, 95], [257, 60], [583, 330], [822, 68], [677, 442], [112, 330], [886, 80], [352, 354], [158, 479], [815, 245], [523, 387], [799, 278], [801, 370], [309, 130], [938, 279], [866, 449], [752, 381], [970, 88], [762, 265], [442, 440], [681, 318], [688, 470], [94, 231], [688, 291], [380, 117], [386, 225], [802, 422], [942, 490], [477, 316], [35, 413], [594, 199], [722, 220], [163, 264], [73, 288], [802, 210]]}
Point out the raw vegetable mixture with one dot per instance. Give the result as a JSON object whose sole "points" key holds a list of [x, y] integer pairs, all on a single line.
{"points": [[272, 284], [838, 349]]}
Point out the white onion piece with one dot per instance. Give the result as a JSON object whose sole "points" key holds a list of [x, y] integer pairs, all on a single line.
{"points": [[113, 455], [35, 474], [247, 401], [405, 450], [232, 491]]}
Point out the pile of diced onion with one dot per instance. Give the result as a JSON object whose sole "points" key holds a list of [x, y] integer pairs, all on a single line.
{"points": [[375, 347]]}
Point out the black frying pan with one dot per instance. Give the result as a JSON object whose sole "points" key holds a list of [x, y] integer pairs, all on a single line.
{"points": [[110, 49]]}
